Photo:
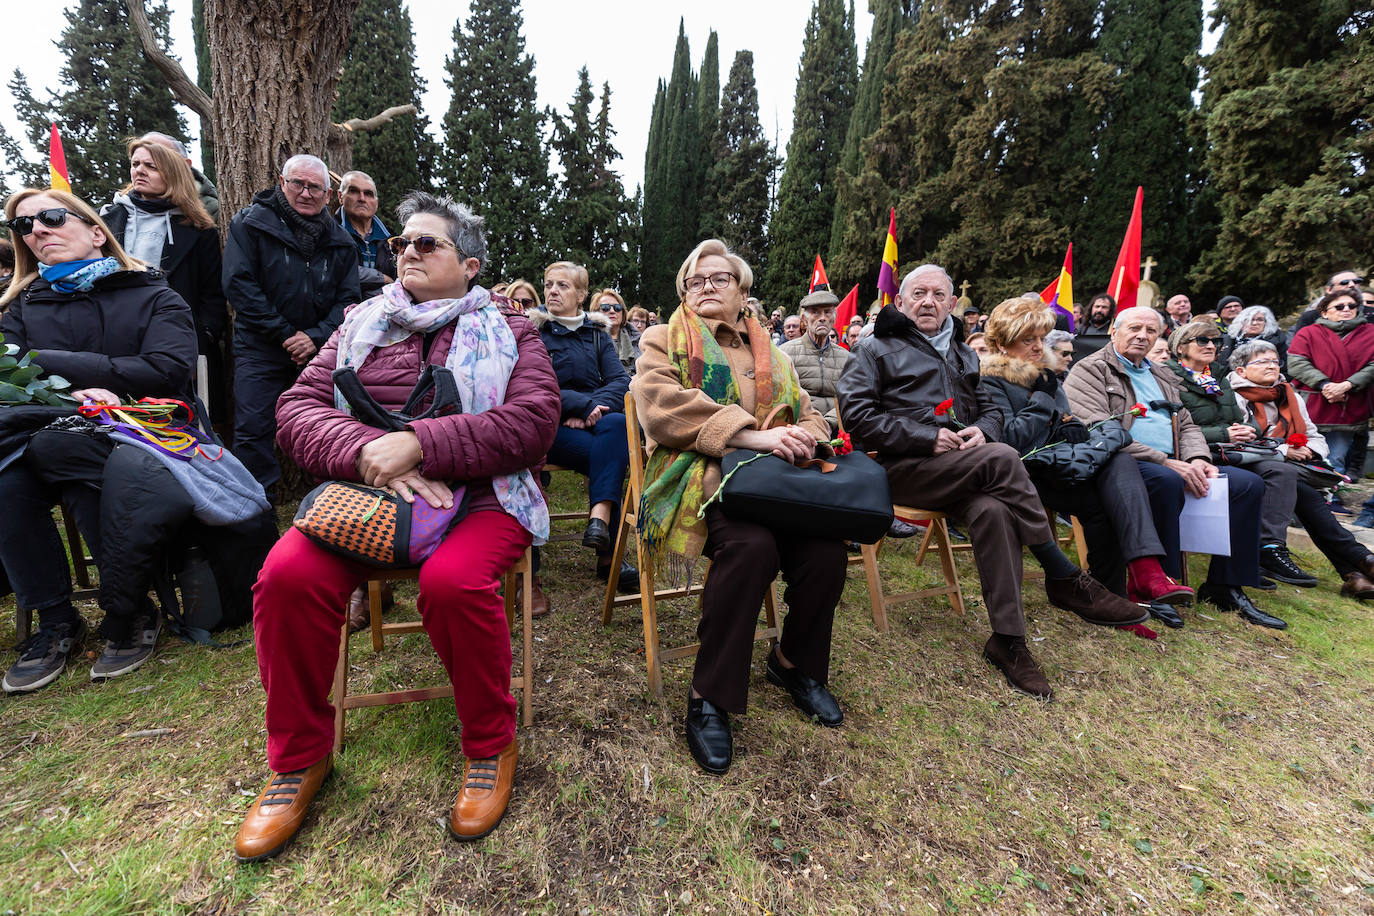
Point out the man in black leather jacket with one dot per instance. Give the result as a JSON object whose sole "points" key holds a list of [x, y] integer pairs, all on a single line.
{"points": [[912, 393]]}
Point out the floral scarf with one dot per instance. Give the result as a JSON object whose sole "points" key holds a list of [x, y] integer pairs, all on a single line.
{"points": [[1204, 379], [674, 481], [481, 358]]}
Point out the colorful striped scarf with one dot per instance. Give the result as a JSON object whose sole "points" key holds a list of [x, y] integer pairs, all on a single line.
{"points": [[674, 481]]}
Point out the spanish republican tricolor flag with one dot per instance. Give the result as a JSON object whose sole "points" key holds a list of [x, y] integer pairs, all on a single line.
{"points": [[887, 273], [1059, 294], [57, 163]]}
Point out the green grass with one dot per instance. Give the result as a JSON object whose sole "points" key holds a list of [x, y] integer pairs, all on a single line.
{"points": [[1221, 769]]}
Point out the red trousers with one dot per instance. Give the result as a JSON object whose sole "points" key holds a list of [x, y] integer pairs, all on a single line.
{"points": [[299, 603]]}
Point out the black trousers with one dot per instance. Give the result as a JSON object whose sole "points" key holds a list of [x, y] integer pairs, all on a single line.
{"points": [[1115, 513], [745, 558], [260, 377]]}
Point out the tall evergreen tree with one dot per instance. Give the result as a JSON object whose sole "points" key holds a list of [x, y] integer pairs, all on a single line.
{"points": [[743, 163], [672, 202], [28, 170], [826, 81], [1288, 114], [890, 18], [380, 72], [494, 156], [107, 92], [708, 113], [591, 215], [1152, 45]]}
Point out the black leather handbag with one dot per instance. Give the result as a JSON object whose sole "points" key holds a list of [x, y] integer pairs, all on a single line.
{"points": [[1073, 463], [844, 498]]}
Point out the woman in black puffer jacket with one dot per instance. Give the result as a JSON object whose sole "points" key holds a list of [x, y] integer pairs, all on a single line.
{"points": [[1123, 547], [96, 317]]}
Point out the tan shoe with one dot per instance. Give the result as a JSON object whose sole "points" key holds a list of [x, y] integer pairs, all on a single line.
{"points": [[539, 602], [486, 792], [277, 814]]}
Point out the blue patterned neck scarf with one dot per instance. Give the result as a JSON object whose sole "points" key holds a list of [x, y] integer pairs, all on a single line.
{"points": [[77, 276]]}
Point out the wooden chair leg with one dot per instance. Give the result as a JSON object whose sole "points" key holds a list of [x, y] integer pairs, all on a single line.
{"points": [[946, 551], [649, 606], [527, 636], [617, 556], [875, 584], [374, 612], [1080, 542], [925, 542], [340, 688]]}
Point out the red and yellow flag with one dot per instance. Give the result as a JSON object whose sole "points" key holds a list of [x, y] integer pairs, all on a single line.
{"points": [[887, 273], [57, 163], [1059, 294]]}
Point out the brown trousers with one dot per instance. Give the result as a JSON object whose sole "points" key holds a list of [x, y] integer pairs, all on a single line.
{"points": [[745, 558], [987, 491]]}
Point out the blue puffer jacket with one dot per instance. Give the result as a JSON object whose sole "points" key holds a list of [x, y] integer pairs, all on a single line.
{"points": [[589, 371]]}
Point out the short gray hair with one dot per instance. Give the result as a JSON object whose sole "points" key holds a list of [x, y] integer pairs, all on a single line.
{"points": [[305, 161], [1056, 337], [347, 178], [157, 136], [1135, 310], [1249, 350], [465, 228], [920, 267]]}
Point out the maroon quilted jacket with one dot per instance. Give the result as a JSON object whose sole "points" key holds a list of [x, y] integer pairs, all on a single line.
{"points": [[325, 441]]}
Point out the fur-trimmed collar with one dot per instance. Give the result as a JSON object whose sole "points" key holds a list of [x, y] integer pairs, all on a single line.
{"points": [[1017, 371], [541, 317]]}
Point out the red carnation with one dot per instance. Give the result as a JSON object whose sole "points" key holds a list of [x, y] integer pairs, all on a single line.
{"points": [[1138, 410], [841, 444], [943, 407], [1297, 440]]}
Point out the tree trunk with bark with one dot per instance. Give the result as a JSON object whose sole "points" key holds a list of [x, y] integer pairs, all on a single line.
{"points": [[274, 65]]}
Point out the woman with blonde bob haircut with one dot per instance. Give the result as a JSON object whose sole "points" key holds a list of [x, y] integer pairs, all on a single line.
{"points": [[1123, 547], [158, 218], [591, 430], [26, 265], [707, 381], [523, 294]]}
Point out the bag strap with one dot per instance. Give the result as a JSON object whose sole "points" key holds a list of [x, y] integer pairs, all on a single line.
{"points": [[365, 407], [773, 415]]}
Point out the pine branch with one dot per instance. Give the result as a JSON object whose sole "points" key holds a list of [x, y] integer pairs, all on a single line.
{"points": [[363, 125], [182, 86]]}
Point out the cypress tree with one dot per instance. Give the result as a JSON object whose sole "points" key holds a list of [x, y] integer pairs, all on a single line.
{"points": [[107, 92], [1287, 112], [890, 18], [380, 72], [743, 163], [708, 113], [806, 196], [672, 202], [494, 156], [1152, 45]]}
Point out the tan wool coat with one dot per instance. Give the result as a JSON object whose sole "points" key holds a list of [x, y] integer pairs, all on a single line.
{"points": [[685, 418]]}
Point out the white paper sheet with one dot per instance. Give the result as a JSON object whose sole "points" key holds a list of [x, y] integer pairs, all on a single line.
{"points": [[1204, 525]]}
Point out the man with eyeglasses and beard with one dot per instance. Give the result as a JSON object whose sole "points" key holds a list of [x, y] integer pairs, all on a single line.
{"points": [[290, 269]]}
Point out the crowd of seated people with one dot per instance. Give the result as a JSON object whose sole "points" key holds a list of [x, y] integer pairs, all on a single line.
{"points": [[542, 372]]}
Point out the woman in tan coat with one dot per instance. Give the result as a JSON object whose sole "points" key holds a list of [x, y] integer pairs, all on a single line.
{"points": [[707, 380]]}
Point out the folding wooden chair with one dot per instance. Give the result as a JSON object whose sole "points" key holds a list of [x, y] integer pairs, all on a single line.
{"points": [[649, 594], [937, 533], [524, 682]]}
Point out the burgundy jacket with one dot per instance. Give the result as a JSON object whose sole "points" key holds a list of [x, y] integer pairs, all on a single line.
{"points": [[325, 441]]}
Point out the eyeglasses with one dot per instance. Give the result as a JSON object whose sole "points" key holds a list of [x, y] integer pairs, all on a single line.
{"points": [[53, 218], [523, 302], [305, 187], [718, 280], [1262, 363], [424, 244], [611, 307], [1206, 341]]}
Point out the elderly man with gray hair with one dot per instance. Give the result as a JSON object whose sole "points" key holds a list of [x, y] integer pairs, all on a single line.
{"points": [[912, 393], [1173, 455], [289, 272]]}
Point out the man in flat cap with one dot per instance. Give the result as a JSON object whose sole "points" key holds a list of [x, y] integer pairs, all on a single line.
{"points": [[818, 359]]}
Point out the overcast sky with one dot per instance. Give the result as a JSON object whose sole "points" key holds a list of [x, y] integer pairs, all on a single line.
{"points": [[629, 44]]}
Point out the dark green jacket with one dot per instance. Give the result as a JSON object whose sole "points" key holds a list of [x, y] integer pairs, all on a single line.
{"points": [[1212, 413]]}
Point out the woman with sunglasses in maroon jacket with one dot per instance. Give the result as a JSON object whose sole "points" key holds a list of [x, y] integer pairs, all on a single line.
{"points": [[100, 319]]}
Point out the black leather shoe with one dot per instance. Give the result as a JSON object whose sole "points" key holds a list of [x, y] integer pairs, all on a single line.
{"points": [[708, 735], [627, 580], [1277, 563], [1266, 585], [809, 695], [1231, 598], [1166, 614], [597, 536]]}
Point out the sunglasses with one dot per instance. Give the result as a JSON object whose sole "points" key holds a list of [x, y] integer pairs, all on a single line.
{"points": [[524, 303], [53, 218], [1342, 307], [1352, 281], [612, 307], [1206, 341], [424, 244]]}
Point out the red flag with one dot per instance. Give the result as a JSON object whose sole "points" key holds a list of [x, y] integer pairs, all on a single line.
{"points": [[818, 276], [1126, 274], [847, 310], [57, 162]]}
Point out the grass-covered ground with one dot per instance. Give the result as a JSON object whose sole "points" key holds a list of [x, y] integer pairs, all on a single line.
{"points": [[1221, 769]]}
